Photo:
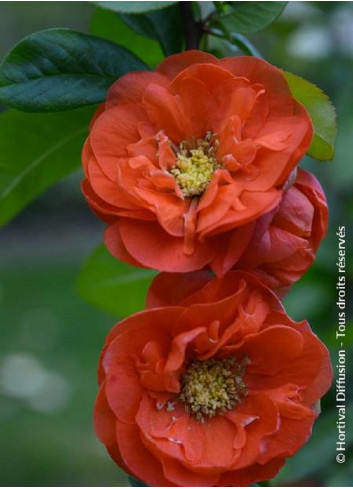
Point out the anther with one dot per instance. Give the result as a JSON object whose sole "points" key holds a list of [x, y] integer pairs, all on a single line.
{"points": [[196, 164], [212, 387]]}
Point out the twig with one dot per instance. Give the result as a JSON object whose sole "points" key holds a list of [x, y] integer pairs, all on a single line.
{"points": [[192, 29]]}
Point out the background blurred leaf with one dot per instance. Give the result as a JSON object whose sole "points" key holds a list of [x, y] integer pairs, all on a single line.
{"points": [[61, 69], [322, 113], [319, 451], [250, 17], [109, 25], [342, 478], [112, 285], [134, 7], [36, 151], [205, 9], [165, 26]]}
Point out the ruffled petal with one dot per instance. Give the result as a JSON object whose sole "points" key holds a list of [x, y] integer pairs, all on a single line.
{"points": [[176, 63], [160, 250]]}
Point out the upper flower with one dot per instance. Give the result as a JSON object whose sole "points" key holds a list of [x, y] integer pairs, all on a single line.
{"points": [[213, 386], [179, 159]]}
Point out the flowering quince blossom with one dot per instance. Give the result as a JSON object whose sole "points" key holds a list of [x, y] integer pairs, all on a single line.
{"points": [[180, 162], [213, 385], [285, 240]]}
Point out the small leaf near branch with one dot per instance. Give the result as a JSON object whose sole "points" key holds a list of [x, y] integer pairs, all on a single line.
{"points": [[61, 69], [165, 26], [113, 286], [134, 7], [248, 17], [322, 114], [236, 41], [36, 151]]}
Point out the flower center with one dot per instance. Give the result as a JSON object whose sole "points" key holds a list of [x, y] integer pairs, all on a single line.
{"points": [[212, 387], [196, 163]]}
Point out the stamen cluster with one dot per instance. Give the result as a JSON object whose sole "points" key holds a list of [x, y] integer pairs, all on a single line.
{"points": [[196, 164], [212, 387]]}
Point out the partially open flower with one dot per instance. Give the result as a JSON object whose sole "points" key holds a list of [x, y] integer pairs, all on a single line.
{"points": [[213, 386], [180, 162], [285, 240]]}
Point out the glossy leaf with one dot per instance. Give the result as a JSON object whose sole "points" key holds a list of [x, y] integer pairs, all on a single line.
{"points": [[61, 69], [36, 151], [250, 17], [322, 114], [165, 26], [134, 7], [112, 285], [109, 25]]}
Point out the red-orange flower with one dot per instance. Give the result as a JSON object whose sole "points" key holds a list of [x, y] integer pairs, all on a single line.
{"points": [[285, 240], [181, 161], [213, 386]]}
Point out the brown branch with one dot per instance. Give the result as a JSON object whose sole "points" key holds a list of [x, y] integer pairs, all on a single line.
{"points": [[192, 29]]}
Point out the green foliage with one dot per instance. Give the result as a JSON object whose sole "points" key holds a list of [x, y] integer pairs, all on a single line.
{"points": [[113, 286], [165, 26], [136, 483], [248, 17], [61, 69], [37, 150], [110, 26], [134, 7], [322, 113]]}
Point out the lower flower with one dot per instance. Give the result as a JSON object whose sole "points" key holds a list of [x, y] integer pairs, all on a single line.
{"points": [[213, 385]]}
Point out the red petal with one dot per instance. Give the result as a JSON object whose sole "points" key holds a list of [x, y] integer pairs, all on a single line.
{"points": [[253, 473], [169, 289], [161, 250], [104, 419], [116, 247], [142, 464], [176, 63], [271, 349], [131, 87], [230, 249]]}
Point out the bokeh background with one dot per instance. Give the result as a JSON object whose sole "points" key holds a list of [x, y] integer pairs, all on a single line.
{"points": [[51, 338]]}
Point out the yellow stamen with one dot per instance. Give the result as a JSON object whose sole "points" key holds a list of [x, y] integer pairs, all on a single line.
{"points": [[195, 165], [212, 387]]}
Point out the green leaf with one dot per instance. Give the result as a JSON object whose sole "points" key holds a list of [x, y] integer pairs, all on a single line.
{"points": [[36, 151], [251, 16], [236, 42], [108, 24], [322, 114], [134, 7], [61, 69], [112, 285], [165, 26], [135, 482]]}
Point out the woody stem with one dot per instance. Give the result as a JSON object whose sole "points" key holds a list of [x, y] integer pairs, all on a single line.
{"points": [[192, 29]]}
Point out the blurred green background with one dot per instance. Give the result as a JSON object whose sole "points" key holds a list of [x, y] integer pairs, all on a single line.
{"points": [[51, 339]]}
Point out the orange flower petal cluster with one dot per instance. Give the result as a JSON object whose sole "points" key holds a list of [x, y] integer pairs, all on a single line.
{"points": [[284, 241], [180, 162], [140, 416]]}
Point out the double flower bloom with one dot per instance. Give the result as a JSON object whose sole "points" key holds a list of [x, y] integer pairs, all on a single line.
{"points": [[193, 167]]}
